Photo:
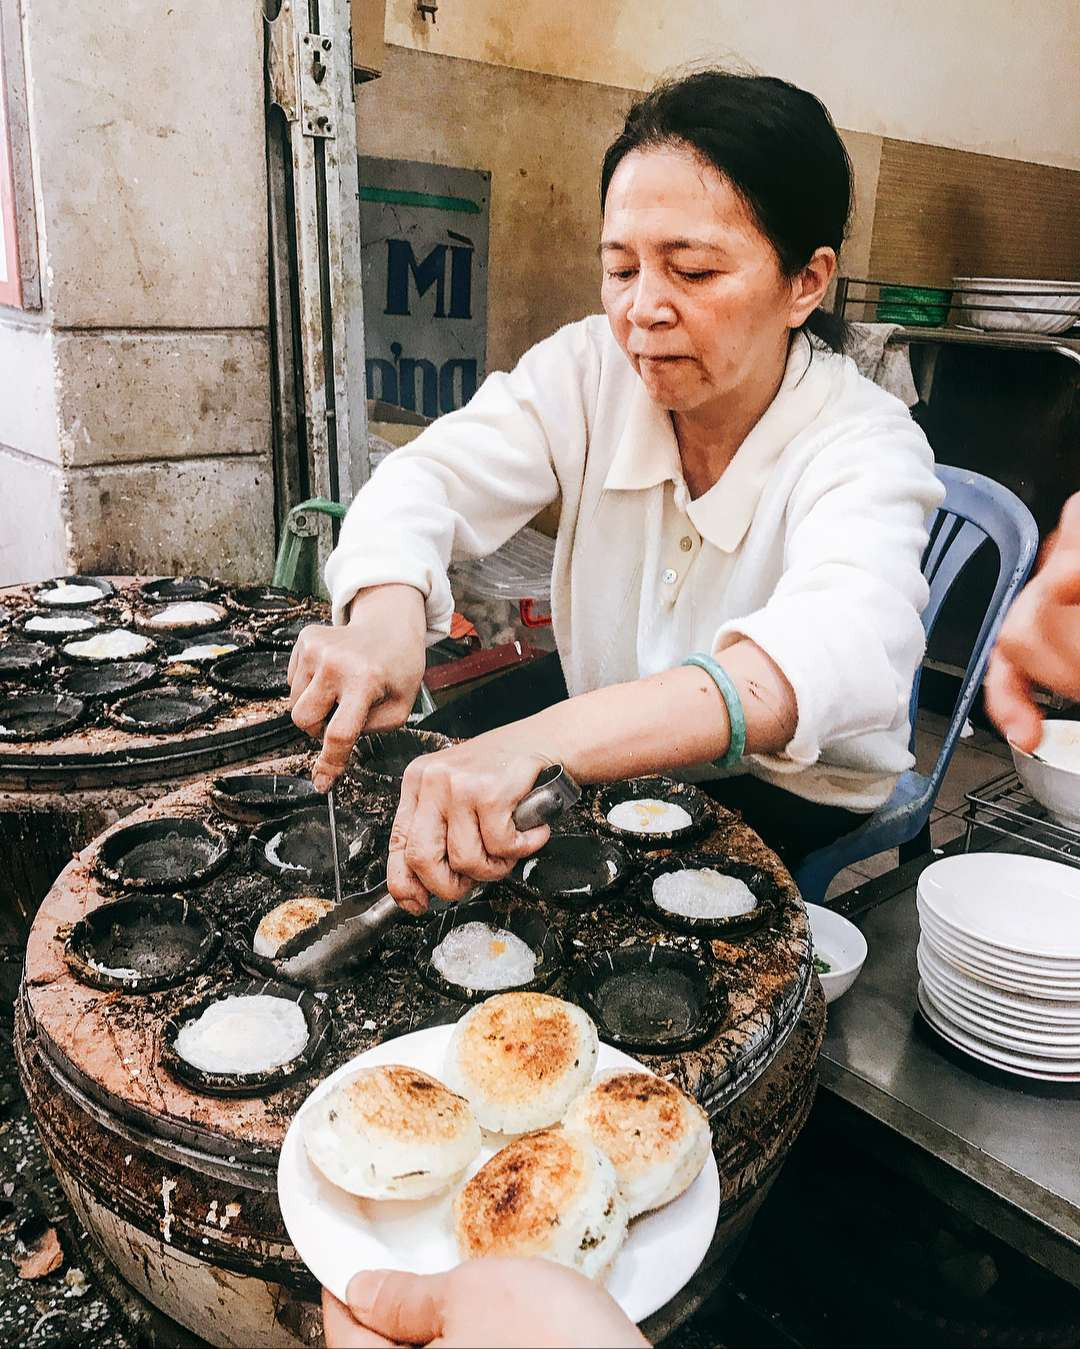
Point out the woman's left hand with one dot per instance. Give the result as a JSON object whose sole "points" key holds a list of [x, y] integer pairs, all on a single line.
{"points": [[454, 824]]}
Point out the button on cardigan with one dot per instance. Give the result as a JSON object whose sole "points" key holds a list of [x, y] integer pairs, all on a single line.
{"points": [[809, 544]]}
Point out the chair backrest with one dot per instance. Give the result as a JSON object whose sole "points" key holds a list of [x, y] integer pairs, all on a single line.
{"points": [[976, 508]]}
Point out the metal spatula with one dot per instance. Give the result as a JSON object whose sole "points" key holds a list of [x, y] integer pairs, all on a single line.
{"points": [[355, 926]]}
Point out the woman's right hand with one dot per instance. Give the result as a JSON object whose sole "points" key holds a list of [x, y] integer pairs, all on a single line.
{"points": [[363, 676]]}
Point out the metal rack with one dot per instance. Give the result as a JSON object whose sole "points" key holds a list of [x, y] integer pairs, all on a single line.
{"points": [[1004, 807], [950, 299]]}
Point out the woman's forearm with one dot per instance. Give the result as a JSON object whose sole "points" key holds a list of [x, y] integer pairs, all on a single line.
{"points": [[667, 721]]}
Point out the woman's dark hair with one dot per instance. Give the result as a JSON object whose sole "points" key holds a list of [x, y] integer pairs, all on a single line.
{"points": [[774, 143]]}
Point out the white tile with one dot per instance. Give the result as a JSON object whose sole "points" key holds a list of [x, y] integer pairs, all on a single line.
{"points": [[141, 396], [843, 881], [33, 541], [149, 136], [28, 390], [214, 517]]}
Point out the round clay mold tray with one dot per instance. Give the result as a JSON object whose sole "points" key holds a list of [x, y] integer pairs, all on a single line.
{"points": [[283, 636], [251, 798], [650, 999], [759, 882], [38, 716], [175, 647], [296, 849], [162, 711], [522, 921], [182, 621], [22, 660], [267, 600], [106, 681], [575, 871], [85, 625], [697, 805], [142, 944], [247, 1084], [170, 589], [146, 652], [166, 854], [383, 758], [104, 590], [252, 674]]}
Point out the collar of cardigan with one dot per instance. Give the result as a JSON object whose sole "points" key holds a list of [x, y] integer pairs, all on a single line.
{"points": [[647, 452]]}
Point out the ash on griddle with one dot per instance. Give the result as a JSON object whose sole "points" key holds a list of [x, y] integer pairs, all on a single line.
{"points": [[106, 681], [20, 660], [163, 710], [162, 854], [142, 944], [169, 588], [39, 716], [297, 849]]}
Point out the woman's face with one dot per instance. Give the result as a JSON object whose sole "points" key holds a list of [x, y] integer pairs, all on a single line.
{"points": [[692, 288]]}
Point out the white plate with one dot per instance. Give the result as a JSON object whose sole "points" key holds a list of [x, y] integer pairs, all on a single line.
{"points": [[1009, 1038], [1061, 1012], [1006, 983], [968, 956], [336, 1234], [977, 1050], [1036, 967], [1006, 1020], [1024, 904]]}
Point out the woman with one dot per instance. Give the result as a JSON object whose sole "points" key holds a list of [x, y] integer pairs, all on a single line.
{"points": [[733, 493]]}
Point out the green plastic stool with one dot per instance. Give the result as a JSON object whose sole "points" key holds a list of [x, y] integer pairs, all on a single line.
{"points": [[297, 566]]}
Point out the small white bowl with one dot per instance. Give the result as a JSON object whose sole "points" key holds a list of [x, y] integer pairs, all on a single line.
{"points": [[838, 941], [1004, 304], [1052, 773]]}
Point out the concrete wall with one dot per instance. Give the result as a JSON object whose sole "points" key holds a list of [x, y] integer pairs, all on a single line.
{"points": [[135, 408], [995, 77]]}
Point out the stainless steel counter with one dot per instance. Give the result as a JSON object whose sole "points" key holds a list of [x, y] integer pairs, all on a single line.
{"points": [[1000, 1149]]}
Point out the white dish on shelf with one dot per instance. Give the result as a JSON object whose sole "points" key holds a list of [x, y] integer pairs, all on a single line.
{"points": [[1052, 773], [1026, 978], [1004, 983], [1003, 304], [1060, 1011], [1045, 1070], [1054, 968], [336, 1234], [1002, 1017], [1026, 905], [1012, 1039]]}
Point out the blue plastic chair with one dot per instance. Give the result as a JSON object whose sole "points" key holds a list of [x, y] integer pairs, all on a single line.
{"points": [[975, 508]]}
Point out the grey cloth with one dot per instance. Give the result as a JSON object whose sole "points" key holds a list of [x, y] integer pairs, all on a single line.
{"points": [[887, 365]]}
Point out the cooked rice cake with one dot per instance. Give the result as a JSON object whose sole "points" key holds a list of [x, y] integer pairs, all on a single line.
{"points": [[656, 1137], [550, 1194], [520, 1059]]}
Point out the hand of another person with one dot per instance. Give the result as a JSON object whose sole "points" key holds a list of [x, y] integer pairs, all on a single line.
{"points": [[362, 676], [454, 823], [499, 1304], [1039, 645]]}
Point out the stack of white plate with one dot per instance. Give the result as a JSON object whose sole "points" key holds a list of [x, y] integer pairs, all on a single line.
{"points": [[999, 961]]}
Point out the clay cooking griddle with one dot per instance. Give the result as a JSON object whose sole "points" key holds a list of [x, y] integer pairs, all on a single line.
{"points": [[519, 919], [18, 660], [703, 814], [99, 583], [296, 849], [168, 589], [283, 636], [254, 797], [163, 710], [142, 944], [248, 1084], [258, 674], [760, 884], [106, 681], [38, 716], [652, 999], [162, 854], [574, 871], [267, 600], [384, 758]]}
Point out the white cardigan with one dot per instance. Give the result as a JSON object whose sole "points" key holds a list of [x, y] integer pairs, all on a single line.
{"points": [[809, 544]]}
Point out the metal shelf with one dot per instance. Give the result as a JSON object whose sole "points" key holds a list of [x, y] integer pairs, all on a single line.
{"points": [[1004, 807]]}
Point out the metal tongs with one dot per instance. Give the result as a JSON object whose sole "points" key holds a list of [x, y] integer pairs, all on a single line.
{"points": [[356, 924]]}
